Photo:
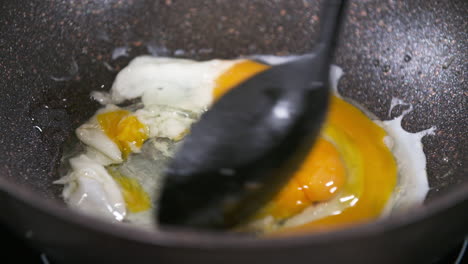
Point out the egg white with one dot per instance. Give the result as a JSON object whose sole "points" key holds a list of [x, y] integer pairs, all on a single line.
{"points": [[90, 188], [181, 83]]}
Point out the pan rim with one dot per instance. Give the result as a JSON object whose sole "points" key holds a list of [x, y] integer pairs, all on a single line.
{"points": [[210, 240]]}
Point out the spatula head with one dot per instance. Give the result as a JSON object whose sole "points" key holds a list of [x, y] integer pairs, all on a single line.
{"points": [[245, 147]]}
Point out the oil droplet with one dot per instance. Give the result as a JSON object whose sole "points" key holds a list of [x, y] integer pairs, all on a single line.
{"points": [[38, 128], [407, 58], [376, 62], [386, 68], [447, 64]]}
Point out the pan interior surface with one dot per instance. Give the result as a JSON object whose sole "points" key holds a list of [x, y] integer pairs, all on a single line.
{"points": [[55, 53]]}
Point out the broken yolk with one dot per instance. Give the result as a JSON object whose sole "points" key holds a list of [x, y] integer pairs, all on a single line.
{"points": [[349, 164], [124, 129], [319, 178], [372, 170], [238, 73], [135, 197]]}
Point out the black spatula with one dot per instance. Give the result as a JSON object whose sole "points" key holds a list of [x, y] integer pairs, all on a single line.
{"points": [[250, 142]]}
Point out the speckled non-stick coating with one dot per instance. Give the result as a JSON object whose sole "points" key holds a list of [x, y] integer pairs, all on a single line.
{"points": [[53, 53]]}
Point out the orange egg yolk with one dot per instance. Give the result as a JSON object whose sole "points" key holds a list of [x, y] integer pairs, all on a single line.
{"points": [[135, 197], [371, 167], [238, 73], [124, 130], [319, 178], [349, 161]]}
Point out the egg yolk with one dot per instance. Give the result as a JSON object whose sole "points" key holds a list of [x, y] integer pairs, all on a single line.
{"points": [[136, 199], [319, 178], [372, 170], [236, 74], [124, 129], [349, 162]]}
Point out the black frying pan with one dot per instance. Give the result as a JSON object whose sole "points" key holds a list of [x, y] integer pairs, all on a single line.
{"points": [[53, 53]]}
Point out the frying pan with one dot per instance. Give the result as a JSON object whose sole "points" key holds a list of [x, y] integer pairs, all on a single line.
{"points": [[54, 53]]}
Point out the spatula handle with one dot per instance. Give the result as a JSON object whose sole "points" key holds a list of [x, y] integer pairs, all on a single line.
{"points": [[332, 14]]}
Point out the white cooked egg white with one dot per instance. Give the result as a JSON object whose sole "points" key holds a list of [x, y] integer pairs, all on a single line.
{"points": [[90, 188], [181, 83]]}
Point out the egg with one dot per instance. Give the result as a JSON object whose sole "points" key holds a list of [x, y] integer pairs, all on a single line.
{"points": [[353, 174], [90, 188], [92, 135]]}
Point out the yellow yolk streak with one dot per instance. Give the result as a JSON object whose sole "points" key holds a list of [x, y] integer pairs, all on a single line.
{"points": [[235, 75], [124, 129], [350, 160], [135, 197]]}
